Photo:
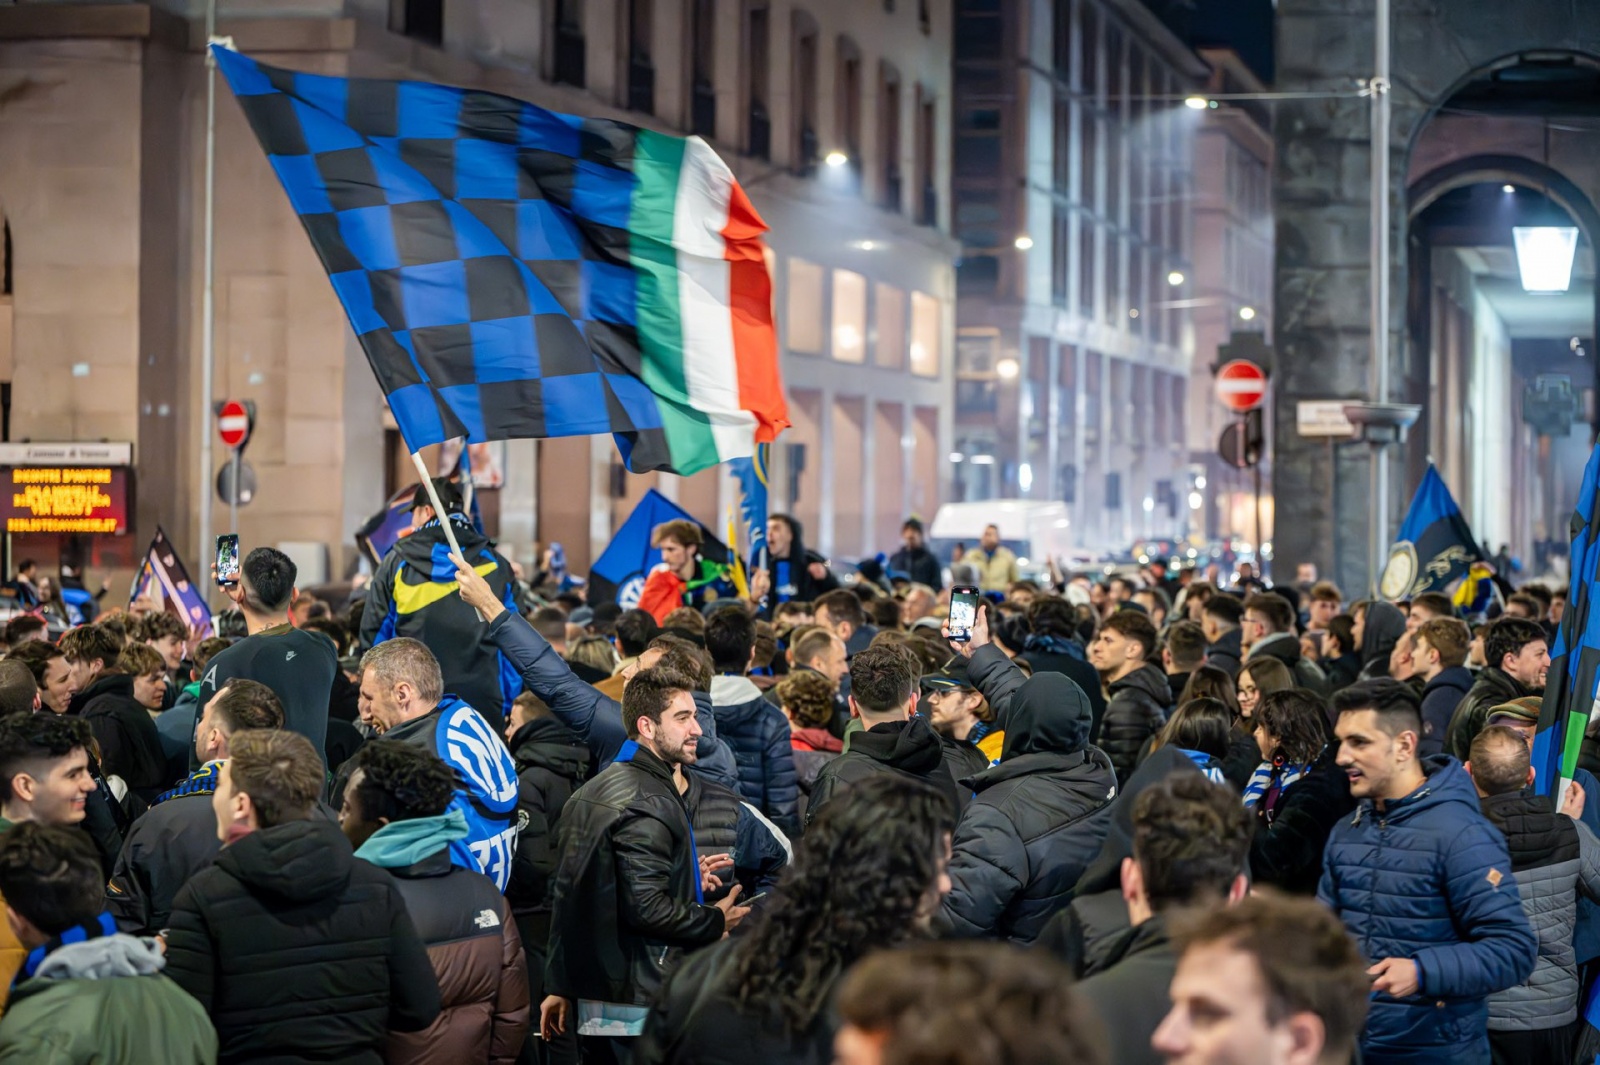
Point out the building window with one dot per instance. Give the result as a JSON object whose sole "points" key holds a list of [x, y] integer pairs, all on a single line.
{"points": [[849, 316], [889, 136], [1061, 147], [568, 62], [847, 102], [641, 72], [925, 353], [758, 132], [702, 67], [889, 322], [924, 17], [1089, 49], [804, 318], [421, 20], [927, 140], [805, 147], [1060, 255], [977, 275], [1089, 156], [1088, 267]]}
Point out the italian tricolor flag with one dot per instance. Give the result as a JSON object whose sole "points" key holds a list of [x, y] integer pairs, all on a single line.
{"points": [[514, 272], [709, 348]]}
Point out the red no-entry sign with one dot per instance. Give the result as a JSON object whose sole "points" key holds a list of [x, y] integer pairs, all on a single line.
{"points": [[233, 423], [1240, 385]]}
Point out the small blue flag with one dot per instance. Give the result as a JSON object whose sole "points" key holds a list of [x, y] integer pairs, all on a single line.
{"points": [[1435, 547], [752, 476], [164, 574], [618, 574]]}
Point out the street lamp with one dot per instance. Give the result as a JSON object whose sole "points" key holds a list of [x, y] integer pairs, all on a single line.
{"points": [[836, 158], [1024, 242], [1247, 314], [1198, 103], [1544, 257], [1008, 369], [1175, 278]]}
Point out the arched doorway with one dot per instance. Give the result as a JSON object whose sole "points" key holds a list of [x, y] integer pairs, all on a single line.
{"points": [[1503, 81]]}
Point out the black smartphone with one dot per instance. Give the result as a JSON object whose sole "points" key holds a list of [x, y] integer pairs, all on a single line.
{"points": [[963, 612], [228, 559]]}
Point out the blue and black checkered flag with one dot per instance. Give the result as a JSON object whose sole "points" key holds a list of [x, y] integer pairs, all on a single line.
{"points": [[513, 272]]}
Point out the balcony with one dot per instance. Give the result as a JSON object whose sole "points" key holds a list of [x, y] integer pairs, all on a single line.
{"points": [[891, 188], [703, 110], [806, 161], [760, 146], [569, 54], [641, 85]]}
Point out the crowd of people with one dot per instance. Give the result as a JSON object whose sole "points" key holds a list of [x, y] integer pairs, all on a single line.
{"points": [[466, 817]]}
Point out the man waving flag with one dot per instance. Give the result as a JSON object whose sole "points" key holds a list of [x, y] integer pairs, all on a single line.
{"points": [[513, 272]]}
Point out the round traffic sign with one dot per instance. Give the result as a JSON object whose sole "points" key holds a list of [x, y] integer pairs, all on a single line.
{"points": [[1241, 384], [233, 423]]}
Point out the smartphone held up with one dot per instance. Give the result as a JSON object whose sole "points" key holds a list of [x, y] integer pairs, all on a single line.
{"points": [[227, 563], [963, 612]]}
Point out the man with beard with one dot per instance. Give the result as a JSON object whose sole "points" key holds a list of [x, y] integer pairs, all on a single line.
{"points": [[628, 889], [914, 561]]}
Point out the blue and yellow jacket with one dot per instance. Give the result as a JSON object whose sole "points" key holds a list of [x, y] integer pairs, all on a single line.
{"points": [[414, 594]]}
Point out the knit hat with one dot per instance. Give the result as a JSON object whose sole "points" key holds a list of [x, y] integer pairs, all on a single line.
{"points": [[1523, 711]]}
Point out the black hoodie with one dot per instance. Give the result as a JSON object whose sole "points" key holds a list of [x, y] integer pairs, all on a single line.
{"points": [[414, 594], [1037, 820], [911, 748], [1383, 629], [299, 950], [552, 763], [791, 577], [130, 746]]}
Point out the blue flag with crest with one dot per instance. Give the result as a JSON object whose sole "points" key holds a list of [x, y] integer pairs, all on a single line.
{"points": [[1435, 547]]}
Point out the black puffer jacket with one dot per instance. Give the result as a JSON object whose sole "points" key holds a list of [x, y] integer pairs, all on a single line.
{"points": [[726, 824], [1136, 711], [1493, 687], [1038, 819], [910, 747], [1286, 850], [130, 746], [299, 950], [626, 886], [552, 763]]}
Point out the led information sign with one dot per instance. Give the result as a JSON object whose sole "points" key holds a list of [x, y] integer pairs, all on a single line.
{"points": [[64, 499]]}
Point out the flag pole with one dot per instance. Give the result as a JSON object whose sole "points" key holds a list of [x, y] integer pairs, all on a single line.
{"points": [[438, 509], [208, 312]]}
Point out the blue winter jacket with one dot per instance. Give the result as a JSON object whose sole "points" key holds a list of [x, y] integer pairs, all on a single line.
{"points": [[1428, 878], [762, 748], [592, 715]]}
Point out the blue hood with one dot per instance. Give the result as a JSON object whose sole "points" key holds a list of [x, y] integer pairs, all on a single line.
{"points": [[713, 757], [402, 843], [1447, 782]]}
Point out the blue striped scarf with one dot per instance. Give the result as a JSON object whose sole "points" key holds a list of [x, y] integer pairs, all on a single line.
{"points": [[1261, 781]]}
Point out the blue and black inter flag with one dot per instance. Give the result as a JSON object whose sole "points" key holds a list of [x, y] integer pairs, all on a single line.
{"points": [[1573, 685], [1435, 547]]}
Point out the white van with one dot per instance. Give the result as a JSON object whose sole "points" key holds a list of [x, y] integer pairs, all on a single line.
{"points": [[1037, 530]]}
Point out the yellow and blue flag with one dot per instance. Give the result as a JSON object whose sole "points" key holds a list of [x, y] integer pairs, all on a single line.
{"points": [[1435, 547], [751, 473]]}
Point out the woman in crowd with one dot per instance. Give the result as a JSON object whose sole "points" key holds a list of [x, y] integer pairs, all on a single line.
{"points": [[867, 874], [806, 698], [1199, 728], [1257, 677], [1298, 792], [595, 652], [1339, 659]]}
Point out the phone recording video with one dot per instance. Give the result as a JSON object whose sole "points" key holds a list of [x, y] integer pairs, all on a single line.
{"points": [[963, 612], [228, 560]]}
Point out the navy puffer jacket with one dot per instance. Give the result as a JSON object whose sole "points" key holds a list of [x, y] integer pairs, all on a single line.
{"points": [[762, 748], [1429, 878]]}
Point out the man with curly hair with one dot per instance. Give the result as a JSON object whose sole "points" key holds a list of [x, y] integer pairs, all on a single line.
{"points": [[397, 814]]}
